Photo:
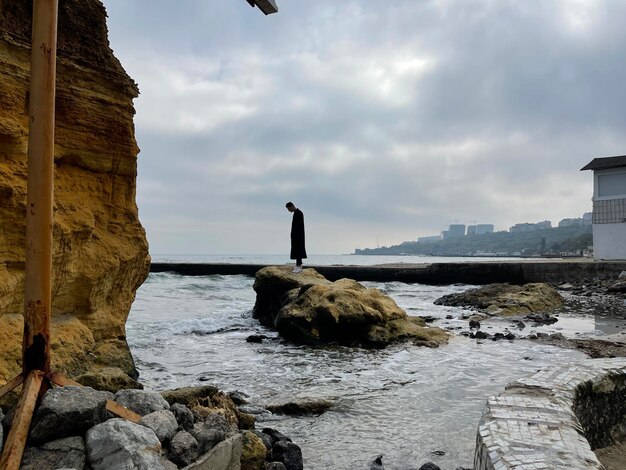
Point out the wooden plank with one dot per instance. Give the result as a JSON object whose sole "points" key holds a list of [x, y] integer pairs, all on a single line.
{"points": [[122, 412], [62, 381], [16, 441], [11, 384]]}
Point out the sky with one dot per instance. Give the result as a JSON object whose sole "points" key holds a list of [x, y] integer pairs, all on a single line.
{"points": [[382, 121]]}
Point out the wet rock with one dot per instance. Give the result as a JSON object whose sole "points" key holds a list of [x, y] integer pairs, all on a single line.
{"points": [[543, 335], [110, 379], [541, 319], [557, 336], [253, 453], [531, 336], [505, 299], [449, 317], [163, 423], [239, 398], [189, 396], [246, 420], [275, 435], [308, 309], [183, 449], [480, 335], [466, 333], [275, 466], [68, 411], [566, 286], [207, 436], [438, 452], [68, 452], [429, 466], [509, 335], [289, 454], [619, 286], [474, 324], [183, 416], [301, 407], [267, 442], [255, 338], [141, 401], [377, 464], [427, 318], [520, 324], [118, 443]]}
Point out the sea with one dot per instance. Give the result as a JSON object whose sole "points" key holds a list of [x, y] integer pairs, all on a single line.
{"points": [[411, 404]]}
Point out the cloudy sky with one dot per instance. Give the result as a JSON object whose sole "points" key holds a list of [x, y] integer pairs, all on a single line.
{"points": [[382, 120]]}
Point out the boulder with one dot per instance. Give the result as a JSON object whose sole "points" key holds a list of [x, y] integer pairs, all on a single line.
{"points": [[183, 449], [618, 286], [430, 466], [100, 248], [308, 309], [118, 443], [253, 453], [189, 396], [110, 379], [301, 407], [289, 454], [68, 411], [141, 401], [163, 423], [68, 452], [506, 300], [207, 436], [183, 416]]}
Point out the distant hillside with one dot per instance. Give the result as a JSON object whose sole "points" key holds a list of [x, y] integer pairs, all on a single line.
{"points": [[559, 240]]}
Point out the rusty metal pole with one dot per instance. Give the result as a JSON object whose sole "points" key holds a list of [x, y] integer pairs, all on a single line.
{"points": [[38, 270]]}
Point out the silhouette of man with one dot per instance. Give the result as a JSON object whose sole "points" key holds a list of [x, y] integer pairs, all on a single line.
{"points": [[298, 252]]}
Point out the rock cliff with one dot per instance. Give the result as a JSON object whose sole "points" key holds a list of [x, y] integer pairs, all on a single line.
{"points": [[100, 250]]}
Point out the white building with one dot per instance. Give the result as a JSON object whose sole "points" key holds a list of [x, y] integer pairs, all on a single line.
{"points": [[609, 207]]}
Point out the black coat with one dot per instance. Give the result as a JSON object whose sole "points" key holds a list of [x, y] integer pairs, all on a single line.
{"points": [[297, 235]]}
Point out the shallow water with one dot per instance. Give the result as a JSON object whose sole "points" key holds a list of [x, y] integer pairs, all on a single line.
{"points": [[403, 402]]}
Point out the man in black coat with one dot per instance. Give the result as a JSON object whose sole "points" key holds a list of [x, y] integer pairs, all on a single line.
{"points": [[298, 252]]}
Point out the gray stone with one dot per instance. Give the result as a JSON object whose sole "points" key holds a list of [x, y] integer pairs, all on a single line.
{"points": [[168, 465], [275, 466], [163, 423], [289, 454], [68, 452], [224, 456], [267, 440], [430, 466], [207, 436], [68, 411], [121, 444], [218, 421], [141, 401], [183, 415], [184, 449]]}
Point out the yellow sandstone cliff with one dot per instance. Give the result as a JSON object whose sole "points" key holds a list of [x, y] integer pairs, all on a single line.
{"points": [[100, 249]]}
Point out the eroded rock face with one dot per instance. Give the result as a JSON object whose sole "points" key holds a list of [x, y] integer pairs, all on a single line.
{"points": [[306, 308], [507, 300], [100, 250]]}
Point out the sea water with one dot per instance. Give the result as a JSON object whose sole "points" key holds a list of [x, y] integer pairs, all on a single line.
{"points": [[404, 402]]}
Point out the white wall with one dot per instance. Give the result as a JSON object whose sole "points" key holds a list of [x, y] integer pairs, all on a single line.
{"points": [[609, 241]]}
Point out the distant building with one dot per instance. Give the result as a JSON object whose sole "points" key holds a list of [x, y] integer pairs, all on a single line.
{"points": [[609, 207], [433, 238], [526, 227], [479, 229], [454, 231]]}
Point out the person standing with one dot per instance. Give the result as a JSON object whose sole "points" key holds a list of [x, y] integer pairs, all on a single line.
{"points": [[298, 251]]}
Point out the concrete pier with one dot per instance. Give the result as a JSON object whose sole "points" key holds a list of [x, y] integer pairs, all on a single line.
{"points": [[477, 273]]}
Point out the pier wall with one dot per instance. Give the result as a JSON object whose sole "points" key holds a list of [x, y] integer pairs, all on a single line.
{"points": [[477, 273]]}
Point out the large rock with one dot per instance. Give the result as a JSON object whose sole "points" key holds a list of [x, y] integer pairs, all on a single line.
{"points": [[253, 453], [183, 449], [506, 300], [62, 453], [307, 308], [141, 402], [163, 423], [118, 443], [111, 379], [100, 249], [289, 454], [68, 411]]}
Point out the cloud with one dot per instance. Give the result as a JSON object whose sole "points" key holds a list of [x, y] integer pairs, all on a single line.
{"points": [[389, 119]]}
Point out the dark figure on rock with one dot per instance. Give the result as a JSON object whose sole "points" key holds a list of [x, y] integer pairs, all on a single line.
{"points": [[298, 250]]}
